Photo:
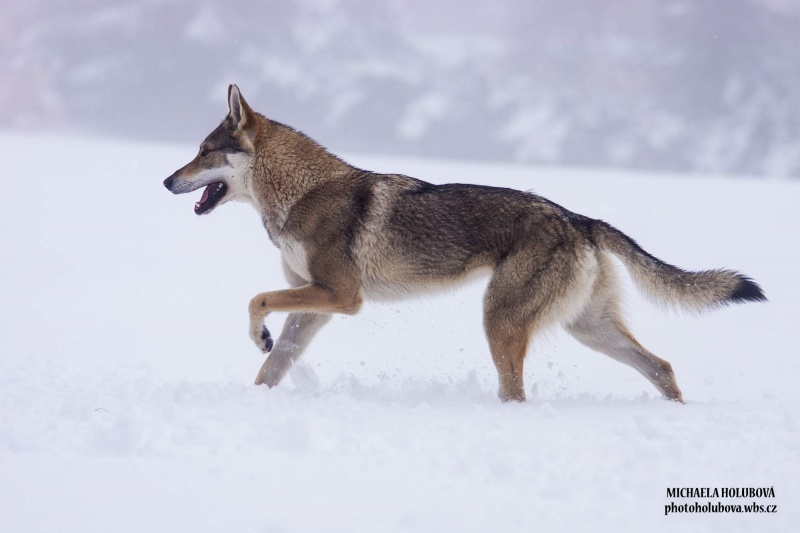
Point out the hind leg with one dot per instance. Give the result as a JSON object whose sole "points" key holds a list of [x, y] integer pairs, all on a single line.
{"points": [[528, 292], [508, 344], [601, 328], [609, 335]]}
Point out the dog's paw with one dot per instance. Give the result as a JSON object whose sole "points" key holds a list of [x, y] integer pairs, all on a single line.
{"points": [[266, 338], [262, 339]]}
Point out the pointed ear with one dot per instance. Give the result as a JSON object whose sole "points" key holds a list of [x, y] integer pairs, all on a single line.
{"points": [[238, 110]]}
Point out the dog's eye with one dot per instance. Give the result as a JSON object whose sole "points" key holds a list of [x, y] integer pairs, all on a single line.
{"points": [[205, 152]]}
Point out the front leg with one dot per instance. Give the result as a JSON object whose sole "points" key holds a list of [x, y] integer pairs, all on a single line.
{"points": [[298, 330], [311, 298], [310, 307], [260, 335]]}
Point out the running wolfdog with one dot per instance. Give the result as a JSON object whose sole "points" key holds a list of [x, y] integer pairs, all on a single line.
{"points": [[346, 234]]}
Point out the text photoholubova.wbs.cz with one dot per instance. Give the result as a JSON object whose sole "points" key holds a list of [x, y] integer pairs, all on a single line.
{"points": [[718, 506]]}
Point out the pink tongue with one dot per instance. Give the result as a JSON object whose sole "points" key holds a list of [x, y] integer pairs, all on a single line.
{"points": [[205, 195]]}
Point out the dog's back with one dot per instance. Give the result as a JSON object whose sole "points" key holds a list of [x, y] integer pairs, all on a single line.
{"points": [[412, 235]]}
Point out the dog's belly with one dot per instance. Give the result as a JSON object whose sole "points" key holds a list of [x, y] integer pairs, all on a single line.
{"points": [[397, 283], [392, 292]]}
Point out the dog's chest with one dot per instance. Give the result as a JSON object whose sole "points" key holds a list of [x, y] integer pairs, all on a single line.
{"points": [[294, 253]]}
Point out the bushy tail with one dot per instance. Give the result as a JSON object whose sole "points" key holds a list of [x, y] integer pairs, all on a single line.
{"points": [[671, 286]]}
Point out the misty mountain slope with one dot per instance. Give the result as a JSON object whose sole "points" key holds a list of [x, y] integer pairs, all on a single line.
{"points": [[705, 86]]}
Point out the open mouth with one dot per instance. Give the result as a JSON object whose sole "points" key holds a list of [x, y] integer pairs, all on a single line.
{"points": [[211, 196]]}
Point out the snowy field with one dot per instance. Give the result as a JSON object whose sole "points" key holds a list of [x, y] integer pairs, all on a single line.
{"points": [[126, 396]]}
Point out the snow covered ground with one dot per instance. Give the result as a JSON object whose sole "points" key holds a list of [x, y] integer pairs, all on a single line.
{"points": [[126, 401]]}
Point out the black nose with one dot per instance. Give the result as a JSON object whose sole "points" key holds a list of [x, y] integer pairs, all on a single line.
{"points": [[168, 182]]}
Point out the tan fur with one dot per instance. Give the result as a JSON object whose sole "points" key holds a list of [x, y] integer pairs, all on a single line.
{"points": [[346, 234]]}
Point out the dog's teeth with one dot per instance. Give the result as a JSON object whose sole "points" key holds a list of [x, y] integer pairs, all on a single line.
{"points": [[219, 186], [196, 205]]}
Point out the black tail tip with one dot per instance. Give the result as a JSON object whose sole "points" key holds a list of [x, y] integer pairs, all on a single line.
{"points": [[747, 291]]}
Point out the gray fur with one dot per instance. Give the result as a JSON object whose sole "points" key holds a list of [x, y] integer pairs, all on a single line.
{"points": [[671, 286], [347, 235]]}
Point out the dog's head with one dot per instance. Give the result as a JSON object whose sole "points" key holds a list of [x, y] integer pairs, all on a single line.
{"points": [[224, 162]]}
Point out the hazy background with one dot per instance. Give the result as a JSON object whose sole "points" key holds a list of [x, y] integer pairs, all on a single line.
{"points": [[708, 86], [126, 396]]}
